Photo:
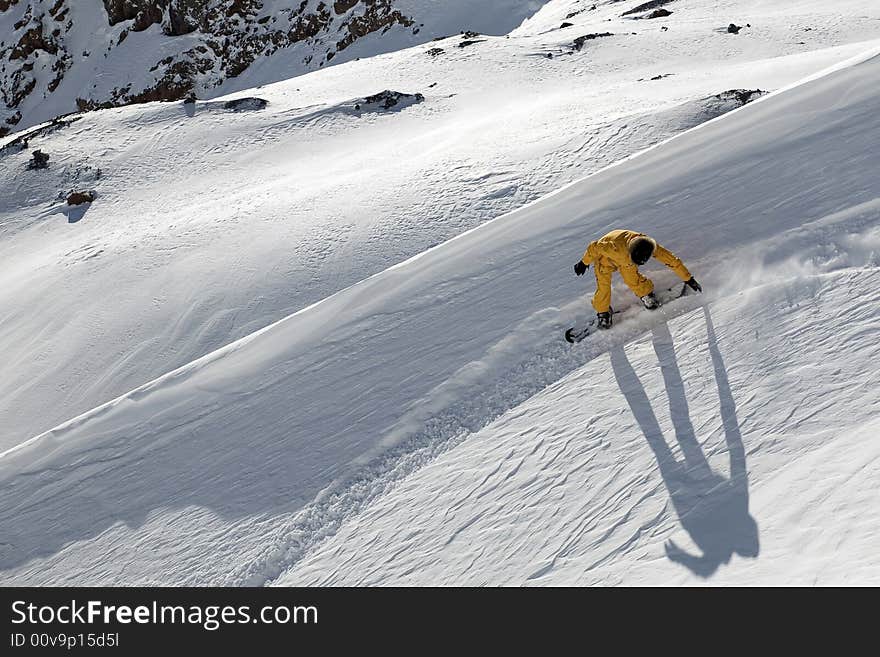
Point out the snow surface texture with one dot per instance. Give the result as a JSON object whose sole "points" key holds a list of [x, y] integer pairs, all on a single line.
{"points": [[707, 441], [210, 224], [429, 425]]}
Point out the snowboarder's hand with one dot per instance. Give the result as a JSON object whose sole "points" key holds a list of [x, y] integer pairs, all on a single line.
{"points": [[580, 268], [692, 283]]}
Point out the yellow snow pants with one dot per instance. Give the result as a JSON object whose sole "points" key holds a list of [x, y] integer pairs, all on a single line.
{"points": [[631, 275]]}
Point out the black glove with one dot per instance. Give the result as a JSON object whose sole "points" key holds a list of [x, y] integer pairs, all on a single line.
{"points": [[580, 268], [692, 283]]}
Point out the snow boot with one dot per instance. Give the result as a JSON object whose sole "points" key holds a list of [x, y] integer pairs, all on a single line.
{"points": [[603, 320], [650, 301]]}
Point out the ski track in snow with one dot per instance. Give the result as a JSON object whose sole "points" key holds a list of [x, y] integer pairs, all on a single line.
{"points": [[446, 344], [563, 487], [531, 358], [211, 224]]}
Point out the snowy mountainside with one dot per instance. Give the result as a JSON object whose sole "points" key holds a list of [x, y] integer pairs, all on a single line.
{"points": [[321, 448], [60, 56], [211, 221]]}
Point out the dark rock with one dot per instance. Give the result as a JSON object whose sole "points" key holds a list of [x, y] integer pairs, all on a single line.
{"points": [[39, 160], [469, 42], [469, 35], [564, 25], [733, 28], [78, 198], [249, 104], [433, 52], [714, 106], [32, 40], [659, 13], [581, 40], [342, 6], [579, 11], [646, 7], [740, 96], [388, 99]]}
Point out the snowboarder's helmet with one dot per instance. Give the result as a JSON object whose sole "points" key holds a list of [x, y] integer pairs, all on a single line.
{"points": [[641, 249]]}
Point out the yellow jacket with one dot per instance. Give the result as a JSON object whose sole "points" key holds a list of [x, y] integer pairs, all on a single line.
{"points": [[612, 252]]}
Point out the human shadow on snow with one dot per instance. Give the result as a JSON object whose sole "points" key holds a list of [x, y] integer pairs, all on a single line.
{"points": [[713, 509]]}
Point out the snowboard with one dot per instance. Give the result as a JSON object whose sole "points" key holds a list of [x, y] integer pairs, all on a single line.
{"points": [[575, 334]]}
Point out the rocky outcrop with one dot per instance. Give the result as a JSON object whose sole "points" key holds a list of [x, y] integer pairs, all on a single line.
{"points": [[647, 6], [78, 198], [39, 160], [387, 99], [581, 40], [177, 17], [218, 41], [34, 38], [740, 96], [249, 104]]}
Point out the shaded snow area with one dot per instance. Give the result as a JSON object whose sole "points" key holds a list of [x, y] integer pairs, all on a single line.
{"points": [[429, 425]]}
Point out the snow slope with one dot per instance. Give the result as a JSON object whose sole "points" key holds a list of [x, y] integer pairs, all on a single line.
{"points": [[286, 455], [705, 449], [58, 56], [210, 224]]}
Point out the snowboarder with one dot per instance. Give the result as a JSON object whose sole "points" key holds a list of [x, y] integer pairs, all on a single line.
{"points": [[625, 251]]}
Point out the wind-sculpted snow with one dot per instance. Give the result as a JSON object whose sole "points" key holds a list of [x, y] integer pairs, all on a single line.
{"points": [[695, 451], [235, 468]]}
